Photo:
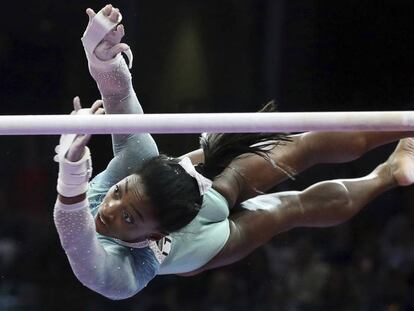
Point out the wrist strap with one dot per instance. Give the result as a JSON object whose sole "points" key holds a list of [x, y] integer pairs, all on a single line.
{"points": [[74, 177]]}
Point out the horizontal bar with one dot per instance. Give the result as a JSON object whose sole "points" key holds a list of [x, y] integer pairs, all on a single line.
{"points": [[210, 122]]}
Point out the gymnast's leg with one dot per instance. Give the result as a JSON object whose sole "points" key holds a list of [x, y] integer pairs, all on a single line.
{"points": [[324, 204], [252, 174], [111, 73]]}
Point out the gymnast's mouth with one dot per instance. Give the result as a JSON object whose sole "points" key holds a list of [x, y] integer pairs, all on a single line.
{"points": [[100, 219]]}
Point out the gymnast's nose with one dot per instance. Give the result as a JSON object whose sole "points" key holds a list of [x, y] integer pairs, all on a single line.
{"points": [[108, 210]]}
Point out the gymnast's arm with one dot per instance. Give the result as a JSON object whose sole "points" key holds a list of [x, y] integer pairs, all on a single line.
{"points": [[101, 265], [105, 62], [109, 269]]}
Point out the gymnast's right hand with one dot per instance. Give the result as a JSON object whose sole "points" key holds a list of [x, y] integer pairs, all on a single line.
{"points": [[74, 158]]}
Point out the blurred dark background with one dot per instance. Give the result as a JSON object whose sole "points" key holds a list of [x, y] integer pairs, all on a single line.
{"points": [[214, 56]]}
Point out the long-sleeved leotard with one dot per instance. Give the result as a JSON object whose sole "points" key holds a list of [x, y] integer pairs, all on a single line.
{"points": [[107, 265]]}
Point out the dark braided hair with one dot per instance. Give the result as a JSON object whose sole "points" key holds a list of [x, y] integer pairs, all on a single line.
{"points": [[220, 149], [172, 191], [175, 194]]}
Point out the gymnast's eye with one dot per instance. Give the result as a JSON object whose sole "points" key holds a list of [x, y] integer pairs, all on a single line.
{"points": [[128, 218], [116, 190]]}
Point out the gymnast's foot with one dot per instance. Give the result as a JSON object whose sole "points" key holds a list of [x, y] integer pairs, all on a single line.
{"points": [[401, 162], [111, 44]]}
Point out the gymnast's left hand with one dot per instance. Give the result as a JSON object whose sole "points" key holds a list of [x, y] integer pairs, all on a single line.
{"points": [[74, 158], [111, 44]]}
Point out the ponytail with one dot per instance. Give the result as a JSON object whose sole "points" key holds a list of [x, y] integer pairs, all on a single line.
{"points": [[221, 148]]}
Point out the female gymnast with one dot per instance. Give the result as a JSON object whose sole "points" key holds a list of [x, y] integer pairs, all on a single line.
{"points": [[149, 214]]}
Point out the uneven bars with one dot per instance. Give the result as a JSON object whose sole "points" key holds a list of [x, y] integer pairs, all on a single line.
{"points": [[210, 122]]}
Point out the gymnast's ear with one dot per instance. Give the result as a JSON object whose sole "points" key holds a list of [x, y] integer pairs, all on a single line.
{"points": [[156, 236]]}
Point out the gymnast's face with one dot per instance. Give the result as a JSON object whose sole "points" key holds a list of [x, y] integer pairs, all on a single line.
{"points": [[126, 212]]}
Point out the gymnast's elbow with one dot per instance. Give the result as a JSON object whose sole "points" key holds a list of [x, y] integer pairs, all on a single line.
{"points": [[119, 296], [112, 292], [109, 285]]}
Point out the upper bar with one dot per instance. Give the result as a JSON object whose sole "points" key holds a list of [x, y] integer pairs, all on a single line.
{"points": [[210, 122]]}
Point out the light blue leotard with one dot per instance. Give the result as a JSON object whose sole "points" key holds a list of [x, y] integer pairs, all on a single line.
{"points": [[191, 247], [106, 265]]}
